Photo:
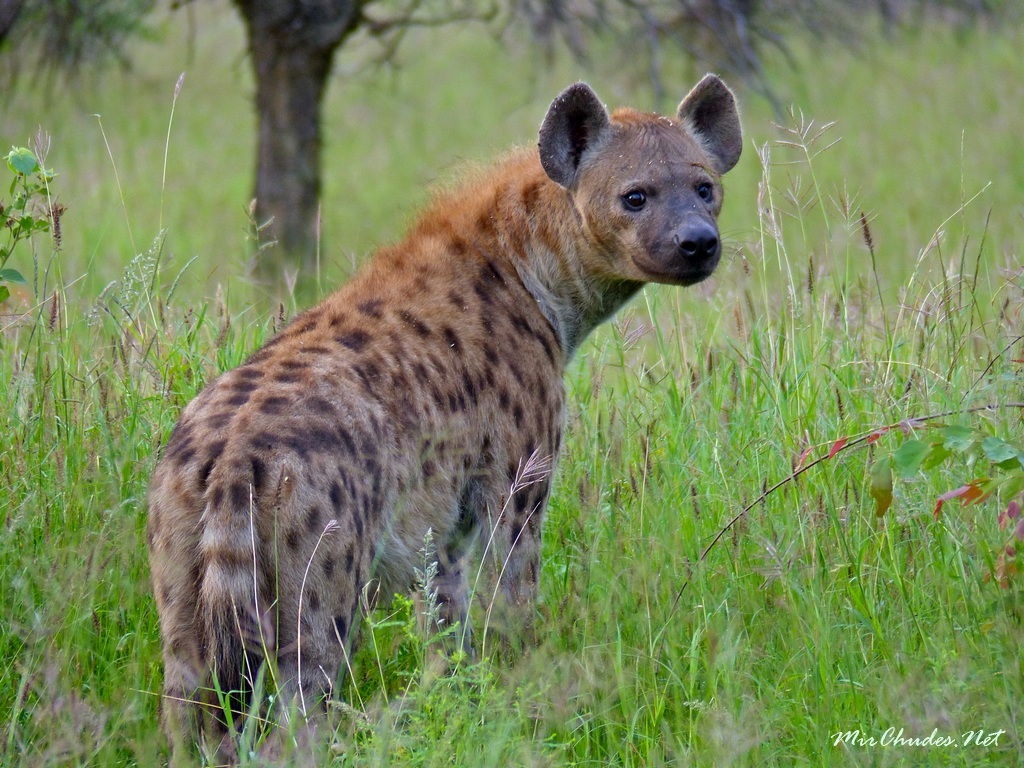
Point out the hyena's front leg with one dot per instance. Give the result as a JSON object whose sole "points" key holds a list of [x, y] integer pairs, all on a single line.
{"points": [[451, 586], [513, 553]]}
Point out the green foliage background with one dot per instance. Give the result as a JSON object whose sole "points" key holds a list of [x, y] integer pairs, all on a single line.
{"points": [[810, 617]]}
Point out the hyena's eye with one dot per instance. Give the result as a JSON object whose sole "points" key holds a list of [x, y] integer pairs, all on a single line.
{"points": [[634, 200], [705, 191]]}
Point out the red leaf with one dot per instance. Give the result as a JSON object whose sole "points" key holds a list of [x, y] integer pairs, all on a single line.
{"points": [[802, 458], [974, 493], [874, 436], [968, 494], [837, 446], [963, 490], [1012, 512]]}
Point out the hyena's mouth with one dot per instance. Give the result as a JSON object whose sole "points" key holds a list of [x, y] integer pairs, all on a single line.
{"points": [[679, 267]]}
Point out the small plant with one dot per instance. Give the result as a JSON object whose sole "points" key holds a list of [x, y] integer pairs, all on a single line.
{"points": [[30, 211], [995, 467]]}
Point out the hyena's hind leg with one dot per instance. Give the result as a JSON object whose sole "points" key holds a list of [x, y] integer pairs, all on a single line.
{"points": [[185, 702]]}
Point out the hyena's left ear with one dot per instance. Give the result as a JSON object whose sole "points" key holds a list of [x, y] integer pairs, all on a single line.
{"points": [[575, 124], [709, 113]]}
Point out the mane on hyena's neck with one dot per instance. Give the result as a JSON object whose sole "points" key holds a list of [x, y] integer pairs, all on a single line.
{"points": [[512, 213]]}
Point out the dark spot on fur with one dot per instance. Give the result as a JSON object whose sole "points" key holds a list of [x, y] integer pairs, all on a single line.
{"points": [[341, 627], [451, 338], [517, 415], [292, 539], [420, 372], [238, 497], [238, 399], [503, 399], [515, 370], [470, 386], [456, 300], [356, 340], [245, 385], [259, 472], [458, 246], [274, 405], [428, 469], [305, 327], [288, 377], [314, 520], [515, 533], [218, 421], [335, 495], [371, 465], [522, 503], [364, 377], [398, 381], [482, 291], [456, 402], [264, 441], [313, 599], [419, 327], [437, 395], [249, 373], [371, 308], [329, 565], [217, 497], [320, 405], [485, 223], [183, 454], [314, 349], [530, 194]]}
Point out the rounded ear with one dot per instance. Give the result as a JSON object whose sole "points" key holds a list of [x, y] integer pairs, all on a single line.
{"points": [[710, 115], [576, 123]]}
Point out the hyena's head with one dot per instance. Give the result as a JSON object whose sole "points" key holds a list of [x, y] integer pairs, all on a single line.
{"points": [[648, 188]]}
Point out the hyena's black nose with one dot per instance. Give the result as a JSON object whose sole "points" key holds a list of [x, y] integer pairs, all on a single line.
{"points": [[697, 241]]}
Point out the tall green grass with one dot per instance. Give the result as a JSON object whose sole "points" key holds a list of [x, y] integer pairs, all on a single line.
{"points": [[874, 276]]}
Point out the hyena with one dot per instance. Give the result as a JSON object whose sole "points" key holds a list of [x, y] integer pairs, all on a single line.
{"points": [[411, 400]]}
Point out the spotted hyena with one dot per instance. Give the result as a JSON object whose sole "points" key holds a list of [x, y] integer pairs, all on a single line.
{"points": [[415, 398]]}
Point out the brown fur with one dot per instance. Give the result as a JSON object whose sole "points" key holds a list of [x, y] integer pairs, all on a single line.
{"points": [[412, 399]]}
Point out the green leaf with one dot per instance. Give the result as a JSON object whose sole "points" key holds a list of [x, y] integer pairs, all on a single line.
{"points": [[908, 457], [1013, 485], [937, 453], [957, 438], [11, 276], [4, 293], [881, 486], [997, 451], [21, 161]]}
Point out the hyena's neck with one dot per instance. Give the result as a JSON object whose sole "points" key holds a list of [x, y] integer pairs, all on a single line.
{"points": [[538, 232]]}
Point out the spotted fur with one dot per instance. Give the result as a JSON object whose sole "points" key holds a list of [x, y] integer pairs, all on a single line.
{"points": [[414, 399]]}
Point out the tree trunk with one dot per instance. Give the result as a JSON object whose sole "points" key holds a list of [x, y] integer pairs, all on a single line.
{"points": [[291, 46], [9, 10]]}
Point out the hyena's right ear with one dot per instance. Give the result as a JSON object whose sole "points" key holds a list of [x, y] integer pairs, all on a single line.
{"points": [[576, 122]]}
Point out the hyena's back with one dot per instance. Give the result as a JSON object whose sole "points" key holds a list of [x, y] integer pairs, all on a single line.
{"points": [[407, 402]]}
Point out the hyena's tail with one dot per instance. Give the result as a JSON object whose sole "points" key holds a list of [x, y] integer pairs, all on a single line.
{"points": [[236, 631]]}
